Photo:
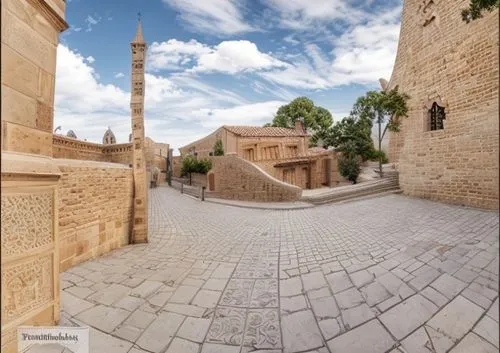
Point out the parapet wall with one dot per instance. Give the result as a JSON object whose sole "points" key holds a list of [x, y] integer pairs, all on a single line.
{"points": [[95, 209], [237, 179], [69, 148]]}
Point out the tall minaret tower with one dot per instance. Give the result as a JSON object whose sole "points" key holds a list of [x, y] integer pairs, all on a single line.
{"points": [[140, 225]]}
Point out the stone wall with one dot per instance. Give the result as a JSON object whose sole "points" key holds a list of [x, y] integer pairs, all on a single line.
{"points": [[237, 179], [441, 58], [95, 209], [176, 166], [300, 167], [30, 274]]}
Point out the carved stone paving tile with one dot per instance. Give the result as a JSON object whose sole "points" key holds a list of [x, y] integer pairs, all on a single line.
{"points": [[26, 286], [265, 269], [263, 329], [228, 326], [26, 222], [237, 293], [265, 294]]}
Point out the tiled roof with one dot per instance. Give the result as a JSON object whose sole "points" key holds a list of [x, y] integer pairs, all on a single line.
{"points": [[256, 131]]}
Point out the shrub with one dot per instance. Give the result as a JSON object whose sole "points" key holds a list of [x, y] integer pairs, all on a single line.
{"points": [[349, 162], [218, 148], [191, 165], [349, 167], [376, 155]]}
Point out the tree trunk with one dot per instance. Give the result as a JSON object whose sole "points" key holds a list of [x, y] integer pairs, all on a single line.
{"points": [[189, 179], [380, 147]]}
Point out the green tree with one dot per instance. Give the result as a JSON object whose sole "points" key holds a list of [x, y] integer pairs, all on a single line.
{"points": [[382, 107], [474, 11], [191, 165], [317, 119], [218, 148], [349, 161], [355, 129]]}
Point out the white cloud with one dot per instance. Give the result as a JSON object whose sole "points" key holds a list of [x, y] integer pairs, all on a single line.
{"points": [[174, 54], [362, 54], [249, 114], [178, 109], [307, 14], [228, 57], [91, 21], [236, 56], [120, 75], [220, 17], [90, 59]]}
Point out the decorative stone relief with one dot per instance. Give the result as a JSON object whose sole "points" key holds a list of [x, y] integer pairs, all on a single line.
{"points": [[26, 286], [26, 222], [427, 11], [228, 326], [263, 329], [43, 116]]}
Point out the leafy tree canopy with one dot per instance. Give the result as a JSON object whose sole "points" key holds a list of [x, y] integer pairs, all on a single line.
{"points": [[474, 11], [382, 106], [316, 119], [355, 130]]}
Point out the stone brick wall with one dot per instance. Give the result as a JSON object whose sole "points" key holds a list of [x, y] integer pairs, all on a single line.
{"points": [[205, 145], [69, 148], [238, 179], [441, 58], [95, 209], [176, 166], [30, 35], [318, 176]]}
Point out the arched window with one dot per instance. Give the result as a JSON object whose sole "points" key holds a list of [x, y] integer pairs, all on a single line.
{"points": [[436, 117]]}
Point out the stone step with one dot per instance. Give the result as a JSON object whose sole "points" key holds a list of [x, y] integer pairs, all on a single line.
{"points": [[332, 198], [351, 190]]}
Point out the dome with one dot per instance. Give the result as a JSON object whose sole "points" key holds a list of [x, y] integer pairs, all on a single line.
{"points": [[71, 134], [109, 138]]}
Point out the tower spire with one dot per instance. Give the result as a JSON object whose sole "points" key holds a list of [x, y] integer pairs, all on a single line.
{"points": [[138, 34]]}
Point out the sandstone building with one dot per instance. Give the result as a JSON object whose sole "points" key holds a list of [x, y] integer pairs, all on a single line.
{"points": [[448, 147], [64, 201], [281, 152]]}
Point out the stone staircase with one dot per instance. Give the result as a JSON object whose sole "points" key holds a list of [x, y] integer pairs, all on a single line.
{"points": [[389, 184]]}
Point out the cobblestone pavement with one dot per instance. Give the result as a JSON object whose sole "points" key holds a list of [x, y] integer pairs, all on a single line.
{"points": [[390, 274]]}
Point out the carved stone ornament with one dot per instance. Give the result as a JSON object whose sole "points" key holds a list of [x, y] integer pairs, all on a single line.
{"points": [[427, 11], [26, 286], [26, 222]]}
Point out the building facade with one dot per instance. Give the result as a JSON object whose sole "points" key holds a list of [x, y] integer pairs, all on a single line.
{"points": [[448, 146], [281, 152]]}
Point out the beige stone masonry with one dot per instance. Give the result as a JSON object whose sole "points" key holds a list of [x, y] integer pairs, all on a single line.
{"points": [[30, 243], [442, 59]]}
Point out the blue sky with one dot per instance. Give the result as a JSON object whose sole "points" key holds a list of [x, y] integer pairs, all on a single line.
{"points": [[215, 62]]}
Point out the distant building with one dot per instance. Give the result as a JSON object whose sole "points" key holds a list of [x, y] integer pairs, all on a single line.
{"points": [[281, 152]]}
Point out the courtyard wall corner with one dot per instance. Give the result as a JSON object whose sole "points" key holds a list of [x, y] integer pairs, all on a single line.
{"points": [[95, 209], [235, 178]]}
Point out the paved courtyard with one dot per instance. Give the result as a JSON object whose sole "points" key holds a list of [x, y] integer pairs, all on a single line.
{"points": [[390, 274]]}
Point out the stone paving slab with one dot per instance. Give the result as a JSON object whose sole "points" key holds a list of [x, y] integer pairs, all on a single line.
{"points": [[392, 274]]}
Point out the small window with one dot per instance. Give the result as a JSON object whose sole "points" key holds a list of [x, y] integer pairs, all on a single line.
{"points": [[436, 117]]}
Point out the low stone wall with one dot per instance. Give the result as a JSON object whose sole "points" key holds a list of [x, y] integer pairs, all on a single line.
{"points": [[95, 209], [237, 179], [198, 179], [68, 148]]}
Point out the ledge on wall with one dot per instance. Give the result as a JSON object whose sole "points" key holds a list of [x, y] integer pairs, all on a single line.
{"points": [[29, 164]]}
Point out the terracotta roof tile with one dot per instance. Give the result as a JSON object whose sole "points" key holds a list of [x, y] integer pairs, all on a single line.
{"points": [[256, 131]]}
